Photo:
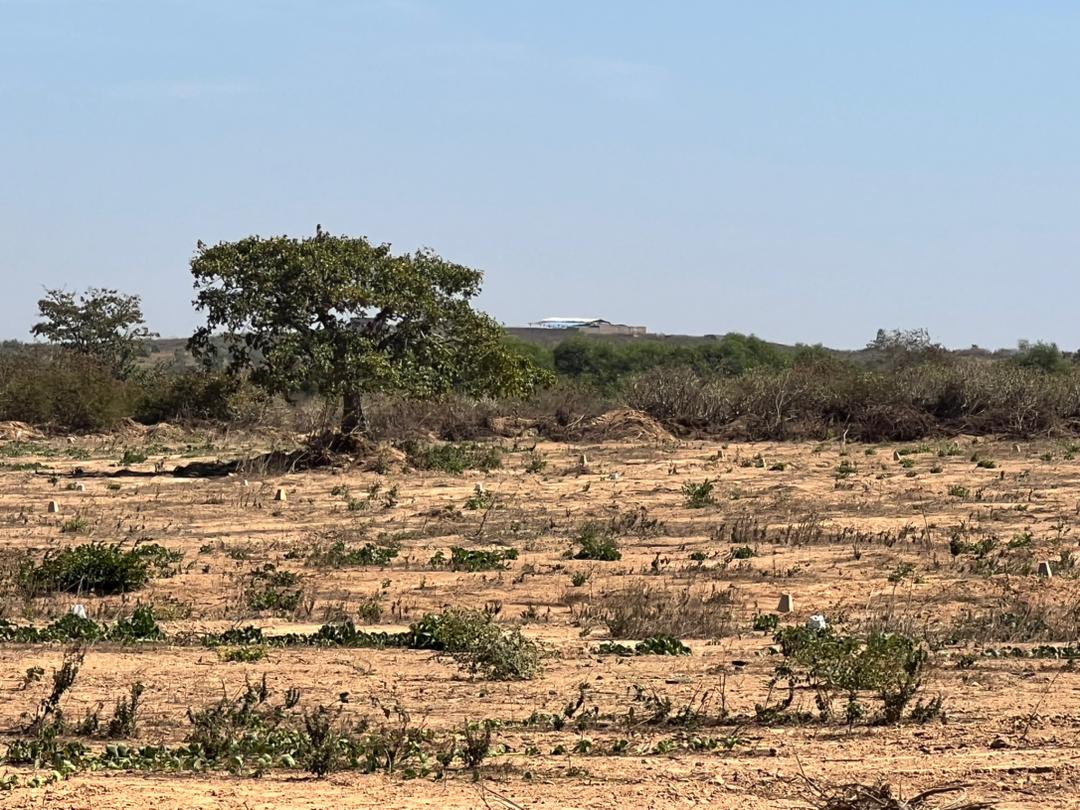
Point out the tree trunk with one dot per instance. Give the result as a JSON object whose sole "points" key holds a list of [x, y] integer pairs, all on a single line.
{"points": [[353, 419]]}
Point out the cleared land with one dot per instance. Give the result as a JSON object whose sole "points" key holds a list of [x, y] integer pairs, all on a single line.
{"points": [[889, 536]]}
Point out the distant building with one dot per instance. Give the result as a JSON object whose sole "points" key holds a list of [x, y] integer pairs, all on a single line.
{"points": [[596, 326]]}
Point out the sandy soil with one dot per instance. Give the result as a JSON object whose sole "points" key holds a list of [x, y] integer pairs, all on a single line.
{"points": [[1011, 723]]}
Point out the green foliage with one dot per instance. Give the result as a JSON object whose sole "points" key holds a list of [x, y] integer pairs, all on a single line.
{"points": [[349, 318], [453, 458], [140, 626], [103, 324], [462, 559], [100, 568], [132, 456], [481, 499], [270, 589], [124, 722], [1040, 356], [597, 543], [698, 496], [886, 664], [339, 554], [767, 622], [63, 389], [480, 646], [606, 365], [652, 645]]}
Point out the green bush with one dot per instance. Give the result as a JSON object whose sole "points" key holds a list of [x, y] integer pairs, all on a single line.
{"points": [[698, 496], [270, 589], [480, 646], [462, 559], [453, 458], [66, 390], [339, 555], [100, 568], [832, 665], [597, 543]]}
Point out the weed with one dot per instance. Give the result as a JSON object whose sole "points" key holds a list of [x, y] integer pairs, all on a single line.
{"points": [[100, 568], [698, 496], [596, 543], [453, 458], [125, 719]]}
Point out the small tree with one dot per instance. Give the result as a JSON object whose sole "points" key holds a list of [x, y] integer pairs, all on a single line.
{"points": [[104, 324], [350, 318]]}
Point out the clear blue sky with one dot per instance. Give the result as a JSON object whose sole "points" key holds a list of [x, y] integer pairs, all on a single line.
{"points": [[807, 171]]}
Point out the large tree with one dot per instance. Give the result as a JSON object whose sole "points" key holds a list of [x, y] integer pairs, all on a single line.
{"points": [[351, 318], [104, 324]]}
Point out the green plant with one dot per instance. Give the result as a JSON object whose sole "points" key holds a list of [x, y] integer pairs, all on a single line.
{"points": [[99, 568], [596, 543], [480, 646], [324, 747], [481, 499], [476, 746], [698, 496], [534, 462], [829, 664], [125, 719], [49, 718], [132, 456], [652, 645], [339, 554], [268, 588], [462, 559], [453, 458], [75, 525], [579, 578], [767, 622]]}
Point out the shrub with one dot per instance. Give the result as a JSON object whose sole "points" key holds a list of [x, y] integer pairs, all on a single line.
{"points": [[597, 543], [641, 611], [480, 646], [887, 664], [100, 568], [125, 719], [698, 496], [273, 590], [462, 559], [653, 645], [132, 456], [67, 390], [453, 458], [339, 555]]}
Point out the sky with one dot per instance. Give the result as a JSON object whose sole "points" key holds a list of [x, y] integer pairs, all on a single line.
{"points": [[804, 171]]}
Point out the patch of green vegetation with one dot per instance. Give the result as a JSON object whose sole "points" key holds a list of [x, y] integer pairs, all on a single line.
{"points": [[831, 665], [597, 543], [132, 456], [698, 496], [453, 458], [339, 554], [767, 622], [462, 559], [653, 645], [100, 568], [273, 590]]}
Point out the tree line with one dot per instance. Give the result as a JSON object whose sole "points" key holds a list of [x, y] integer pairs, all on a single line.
{"points": [[347, 321]]}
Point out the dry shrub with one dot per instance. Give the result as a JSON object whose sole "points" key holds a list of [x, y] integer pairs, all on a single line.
{"points": [[815, 400], [1013, 616], [642, 610]]}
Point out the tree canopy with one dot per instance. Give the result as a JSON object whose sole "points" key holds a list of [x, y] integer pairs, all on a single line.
{"points": [[104, 324], [350, 318]]}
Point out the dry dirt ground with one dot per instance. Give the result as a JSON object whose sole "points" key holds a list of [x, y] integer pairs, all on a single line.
{"points": [[859, 534]]}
